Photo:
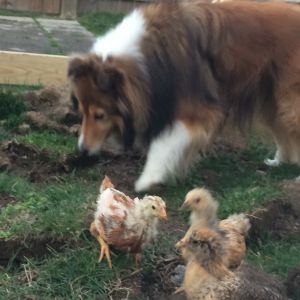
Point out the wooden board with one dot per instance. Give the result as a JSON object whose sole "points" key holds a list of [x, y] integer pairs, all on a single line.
{"points": [[42, 6], [31, 68]]}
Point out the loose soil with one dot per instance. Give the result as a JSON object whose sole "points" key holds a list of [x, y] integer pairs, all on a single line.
{"points": [[6, 199], [30, 247], [280, 217], [38, 165], [28, 161]]}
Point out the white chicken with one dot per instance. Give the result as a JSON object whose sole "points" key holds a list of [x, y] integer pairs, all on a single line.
{"points": [[126, 224]]}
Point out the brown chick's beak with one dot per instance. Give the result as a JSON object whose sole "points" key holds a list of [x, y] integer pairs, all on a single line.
{"points": [[163, 214], [180, 244]]}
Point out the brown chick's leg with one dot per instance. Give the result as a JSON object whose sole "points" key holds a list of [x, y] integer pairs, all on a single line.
{"points": [[179, 290], [137, 260], [104, 251]]}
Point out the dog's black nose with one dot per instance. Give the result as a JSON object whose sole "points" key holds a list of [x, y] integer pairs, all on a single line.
{"points": [[84, 153], [82, 149]]}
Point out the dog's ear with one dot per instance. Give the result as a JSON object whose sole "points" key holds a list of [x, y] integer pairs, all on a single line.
{"points": [[109, 79], [78, 66], [128, 132]]}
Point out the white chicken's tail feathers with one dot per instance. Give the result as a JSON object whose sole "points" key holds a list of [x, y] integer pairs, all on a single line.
{"points": [[238, 222], [105, 184]]}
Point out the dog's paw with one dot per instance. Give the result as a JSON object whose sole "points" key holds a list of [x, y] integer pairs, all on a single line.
{"points": [[146, 183], [272, 162]]}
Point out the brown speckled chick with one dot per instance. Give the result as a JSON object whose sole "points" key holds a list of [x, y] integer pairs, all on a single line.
{"points": [[207, 278], [234, 229]]}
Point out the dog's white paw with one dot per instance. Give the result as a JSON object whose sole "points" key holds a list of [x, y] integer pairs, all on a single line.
{"points": [[272, 162], [145, 183]]}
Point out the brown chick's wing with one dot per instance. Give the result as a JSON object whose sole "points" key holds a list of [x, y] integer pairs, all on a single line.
{"points": [[234, 229], [105, 184], [236, 222]]}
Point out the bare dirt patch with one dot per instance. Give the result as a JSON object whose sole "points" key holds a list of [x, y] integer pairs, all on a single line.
{"points": [[280, 217], [38, 165], [26, 160], [30, 247], [6, 199], [293, 283], [51, 108]]}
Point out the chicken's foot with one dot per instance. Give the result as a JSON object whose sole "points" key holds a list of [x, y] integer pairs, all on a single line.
{"points": [[104, 251]]}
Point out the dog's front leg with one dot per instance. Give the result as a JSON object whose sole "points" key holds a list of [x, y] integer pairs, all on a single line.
{"points": [[167, 156]]}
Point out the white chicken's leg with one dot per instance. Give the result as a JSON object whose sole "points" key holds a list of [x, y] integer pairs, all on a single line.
{"points": [[137, 259], [104, 251], [166, 156], [104, 248]]}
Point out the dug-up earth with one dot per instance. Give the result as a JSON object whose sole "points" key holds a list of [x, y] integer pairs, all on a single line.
{"points": [[51, 109]]}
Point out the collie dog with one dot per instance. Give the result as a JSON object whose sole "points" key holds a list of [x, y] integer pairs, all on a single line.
{"points": [[169, 76]]}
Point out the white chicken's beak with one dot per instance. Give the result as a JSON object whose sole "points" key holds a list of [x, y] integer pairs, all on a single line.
{"points": [[163, 214]]}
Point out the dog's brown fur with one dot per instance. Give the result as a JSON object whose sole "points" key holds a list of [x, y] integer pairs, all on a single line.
{"points": [[203, 64]]}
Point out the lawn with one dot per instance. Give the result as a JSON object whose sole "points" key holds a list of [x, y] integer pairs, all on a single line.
{"points": [[59, 210]]}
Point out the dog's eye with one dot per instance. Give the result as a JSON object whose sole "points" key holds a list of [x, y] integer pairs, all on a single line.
{"points": [[99, 116], [75, 104]]}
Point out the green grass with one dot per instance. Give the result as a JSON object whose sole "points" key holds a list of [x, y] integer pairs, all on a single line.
{"points": [[15, 13], [276, 256], [56, 210], [18, 88], [11, 105], [73, 274], [56, 143], [100, 22]]}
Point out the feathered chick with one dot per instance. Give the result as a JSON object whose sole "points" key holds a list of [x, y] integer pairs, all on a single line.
{"points": [[206, 276], [125, 223], [235, 228], [203, 207]]}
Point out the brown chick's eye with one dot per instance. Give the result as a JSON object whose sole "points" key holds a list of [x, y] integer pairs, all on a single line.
{"points": [[153, 207], [198, 200], [195, 242], [99, 116]]}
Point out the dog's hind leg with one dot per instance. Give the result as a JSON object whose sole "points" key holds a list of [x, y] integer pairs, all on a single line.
{"points": [[283, 148]]}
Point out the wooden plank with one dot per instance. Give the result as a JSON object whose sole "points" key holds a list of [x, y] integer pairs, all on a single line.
{"points": [[85, 6], [69, 9], [32, 68], [42, 6]]}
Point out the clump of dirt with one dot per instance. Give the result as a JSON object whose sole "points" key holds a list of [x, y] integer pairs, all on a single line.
{"points": [[157, 283], [149, 284], [49, 100], [37, 165], [281, 217], [293, 283], [41, 121], [122, 169], [28, 161], [51, 108], [30, 247], [6, 199]]}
